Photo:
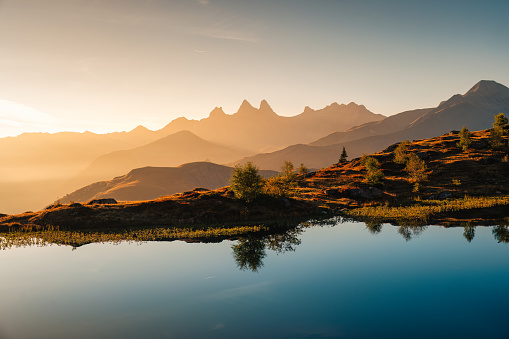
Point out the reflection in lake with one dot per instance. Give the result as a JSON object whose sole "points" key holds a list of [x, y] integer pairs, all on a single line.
{"points": [[250, 250], [501, 233], [330, 279], [469, 232]]}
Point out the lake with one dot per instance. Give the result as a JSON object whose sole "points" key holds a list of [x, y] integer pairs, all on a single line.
{"points": [[338, 280]]}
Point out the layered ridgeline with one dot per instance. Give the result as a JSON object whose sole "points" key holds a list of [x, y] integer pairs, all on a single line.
{"points": [[431, 181], [261, 129], [36, 168], [173, 150], [475, 110], [153, 182]]}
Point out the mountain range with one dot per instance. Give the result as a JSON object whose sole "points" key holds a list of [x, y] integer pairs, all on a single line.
{"points": [[37, 168], [475, 109]]}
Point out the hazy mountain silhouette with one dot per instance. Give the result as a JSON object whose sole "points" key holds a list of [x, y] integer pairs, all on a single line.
{"points": [[391, 124], [153, 182], [172, 150], [475, 110], [261, 129], [35, 165]]}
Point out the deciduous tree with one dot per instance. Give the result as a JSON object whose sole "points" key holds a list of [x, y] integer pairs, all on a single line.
{"points": [[245, 182]]}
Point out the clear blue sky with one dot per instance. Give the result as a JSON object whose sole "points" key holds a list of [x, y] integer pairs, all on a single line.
{"points": [[107, 65]]}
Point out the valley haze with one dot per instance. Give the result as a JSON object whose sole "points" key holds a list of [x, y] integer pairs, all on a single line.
{"points": [[40, 168]]}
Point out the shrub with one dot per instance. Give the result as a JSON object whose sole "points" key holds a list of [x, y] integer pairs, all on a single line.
{"points": [[374, 178], [245, 182], [400, 153], [416, 168], [500, 120], [496, 140], [303, 169], [374, 175], [465, 139], [288, 171], [284, 184]]}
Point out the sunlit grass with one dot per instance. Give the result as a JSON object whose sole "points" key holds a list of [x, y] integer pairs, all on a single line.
{"points": [[52, 235], [424, 210]]}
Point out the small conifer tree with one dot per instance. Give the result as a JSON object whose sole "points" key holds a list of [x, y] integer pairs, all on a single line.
{"points": [[343, 156], [465, 139]]}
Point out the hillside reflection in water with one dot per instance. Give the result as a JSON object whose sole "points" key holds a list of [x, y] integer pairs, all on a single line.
{"points": [[318, 281]]}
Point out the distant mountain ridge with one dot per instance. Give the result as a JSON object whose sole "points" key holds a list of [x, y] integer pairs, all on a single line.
{"points": [[475, 110], [172, 150], [37, 167], [258, 129], [153, 182]]}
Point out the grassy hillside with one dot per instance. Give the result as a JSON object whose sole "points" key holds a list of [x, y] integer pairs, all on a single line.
{"points": [[462, 186]]}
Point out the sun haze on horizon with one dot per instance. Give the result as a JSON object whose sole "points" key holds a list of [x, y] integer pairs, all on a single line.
{"points": [[113, 65]]}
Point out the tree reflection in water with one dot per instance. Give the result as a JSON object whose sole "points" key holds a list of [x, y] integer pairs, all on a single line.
{"points": [[250, 251], [374, 227], [469, 232], [501, 233], [409, 232]]}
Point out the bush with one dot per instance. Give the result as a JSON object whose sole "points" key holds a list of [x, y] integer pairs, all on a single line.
{"points": [[465, 139], [245, 182], [416, 168], [500, 121], [288, 171], [374, 175], [303, 169], [284, 184], [400, 153], [374, 178]]}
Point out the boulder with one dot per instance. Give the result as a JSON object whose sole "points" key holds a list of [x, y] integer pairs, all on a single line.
{"points": [[365, 192], [104, 201]]}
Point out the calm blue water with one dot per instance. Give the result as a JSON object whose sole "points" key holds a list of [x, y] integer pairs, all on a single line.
{"points": [[340, 282]]}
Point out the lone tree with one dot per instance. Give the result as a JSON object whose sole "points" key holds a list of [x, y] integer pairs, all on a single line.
{"points": [[496, 135], [343, 156], [465, 139], [245, 182], [374, 174], [416, 168]]}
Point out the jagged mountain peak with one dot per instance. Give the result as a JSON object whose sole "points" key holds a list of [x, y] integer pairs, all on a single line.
{"points": [[245, 106], [265, 107], [217, 112]]}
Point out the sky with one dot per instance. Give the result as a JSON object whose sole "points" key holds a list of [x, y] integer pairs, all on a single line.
{"points": [[110, 65]]}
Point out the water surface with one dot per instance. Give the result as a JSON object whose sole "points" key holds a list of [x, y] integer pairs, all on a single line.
{"points": [[340, 281]]}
